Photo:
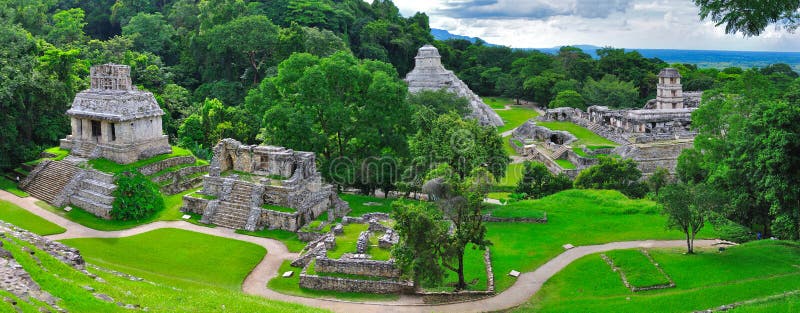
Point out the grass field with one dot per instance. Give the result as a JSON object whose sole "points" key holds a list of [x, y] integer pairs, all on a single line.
{"points": [[507, 146], [513, 175], [288, 238], [346, 242], [585, 136], [10, 186], [175, 256], [515, 117], [13, 214], [565, 164], [578, 217], [67, 284], [497, 102], [705, 280], [784, 304], [171, 212], [638, 269]]}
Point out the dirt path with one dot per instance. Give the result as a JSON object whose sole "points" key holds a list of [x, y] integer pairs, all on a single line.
{"points": [[526, 285]]}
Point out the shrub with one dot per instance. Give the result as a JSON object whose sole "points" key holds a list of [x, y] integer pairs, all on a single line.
{"points": [[136, 197], [537, 182], [612, 173], [784, 228]]}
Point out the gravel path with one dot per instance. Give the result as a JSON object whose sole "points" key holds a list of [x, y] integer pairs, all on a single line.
{"points": [[526, 285]]}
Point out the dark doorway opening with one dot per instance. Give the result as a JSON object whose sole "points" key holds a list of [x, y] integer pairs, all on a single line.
{"points": [[96, 131]]}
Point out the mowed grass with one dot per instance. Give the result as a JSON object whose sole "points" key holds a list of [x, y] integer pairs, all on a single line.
{"points": [[497, 102], [10, 186], [515, 117], [705, 280], [346, 242], [288, 238], [67, 284], [359, 204], [514, 172], [20, 217], [584, 135], [638, 269], [789, 303], [578, 217], [175, 256], [171, 212]]}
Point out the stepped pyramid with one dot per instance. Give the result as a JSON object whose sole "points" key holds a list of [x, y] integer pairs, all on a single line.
{"points": [[430, 74]]}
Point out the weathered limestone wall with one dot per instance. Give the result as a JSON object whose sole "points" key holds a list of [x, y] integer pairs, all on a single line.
{"points": [[649, 157], [357, 267], [151, 169], [194, 205], [279, 220], [355, 285]]}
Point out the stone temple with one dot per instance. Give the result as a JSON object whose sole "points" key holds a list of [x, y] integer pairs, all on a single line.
{"points": [[430, 74], [114, 120], [653, 136], [256, 187]]}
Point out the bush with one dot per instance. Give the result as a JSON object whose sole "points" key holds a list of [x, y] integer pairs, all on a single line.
{"points": [[612, 173], [568, 99], [537, 182], [136, 197], [784, 228]]}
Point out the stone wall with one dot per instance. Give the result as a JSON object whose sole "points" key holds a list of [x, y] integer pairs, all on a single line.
{"points": [[151, 169], [649, 157], [490, 218], [279, 220], [357, 267], [355, 285], [194, 205]]}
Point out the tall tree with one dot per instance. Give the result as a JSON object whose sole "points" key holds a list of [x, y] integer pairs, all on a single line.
{"points": [[687, 208], [750, 17]]}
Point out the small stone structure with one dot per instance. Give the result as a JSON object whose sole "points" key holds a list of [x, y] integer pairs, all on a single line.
{"points": [[653, 137], [114, 120], [430, 74], [242, 178]]}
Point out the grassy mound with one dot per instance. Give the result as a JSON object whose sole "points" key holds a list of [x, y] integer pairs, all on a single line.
{"points": [[705, 280], [515, 117], [584, 135]]}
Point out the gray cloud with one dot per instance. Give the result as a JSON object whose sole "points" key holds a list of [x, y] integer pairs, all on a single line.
{"points": [[531, 9]]}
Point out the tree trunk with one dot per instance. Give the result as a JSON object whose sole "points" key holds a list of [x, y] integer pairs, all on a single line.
{"points": [[461, 283], [689, 244], [252, 55]]}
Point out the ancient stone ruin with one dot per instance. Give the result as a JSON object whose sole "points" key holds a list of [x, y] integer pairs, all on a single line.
{"points": [[256, 187], [430, 74], [114, 120], [654, 136]]}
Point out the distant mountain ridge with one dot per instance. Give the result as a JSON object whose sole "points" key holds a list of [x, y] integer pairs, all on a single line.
{"points": [[702, 58]]}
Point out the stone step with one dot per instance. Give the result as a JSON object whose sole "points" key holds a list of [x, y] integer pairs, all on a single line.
{"points": [[98, 186], [99, 209], [96, 197], [51, 180]]}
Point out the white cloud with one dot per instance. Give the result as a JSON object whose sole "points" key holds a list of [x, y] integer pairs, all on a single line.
{"points": [[661, 24]]}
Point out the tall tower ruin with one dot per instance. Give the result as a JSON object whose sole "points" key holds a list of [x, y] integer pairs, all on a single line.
{"points": [[669, 90]]}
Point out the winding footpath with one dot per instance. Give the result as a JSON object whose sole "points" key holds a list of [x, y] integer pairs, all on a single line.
{"points": [[523, 289]]}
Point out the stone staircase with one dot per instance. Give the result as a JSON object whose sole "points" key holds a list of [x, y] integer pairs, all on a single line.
{"points": [[83, 149], [234, 211], [94, 193], [559, 152], [50, 181]]}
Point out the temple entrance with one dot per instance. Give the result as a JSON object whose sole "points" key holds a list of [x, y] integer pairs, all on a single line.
{"points": [[96, 130]]}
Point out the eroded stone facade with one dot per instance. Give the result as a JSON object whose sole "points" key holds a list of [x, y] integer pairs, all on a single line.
{"points": [[114, 120]]}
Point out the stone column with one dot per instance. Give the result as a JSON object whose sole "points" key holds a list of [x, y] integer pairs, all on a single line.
{"points": [[87, 129], [76, 127], [105, 132]]}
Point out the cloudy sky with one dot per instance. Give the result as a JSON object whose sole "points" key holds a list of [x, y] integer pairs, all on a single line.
{"points": [[665, 24]]}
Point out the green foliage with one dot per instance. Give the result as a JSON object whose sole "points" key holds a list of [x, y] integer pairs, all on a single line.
{"points": [[569, 99], [440, 102], [658, 179], [537, 182], [750, 18], [611, 92], [688, 207], [136, 197], [613, 173], [420, 228]]}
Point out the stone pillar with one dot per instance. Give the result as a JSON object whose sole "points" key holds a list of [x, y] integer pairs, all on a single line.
{"points": [[87, 129], [105, 132], [76, 127]]}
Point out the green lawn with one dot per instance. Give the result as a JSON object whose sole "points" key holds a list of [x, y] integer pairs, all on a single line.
{"points": [[288, 238], [358, 204], [584, 135], [108, 166], [515, 117], [278, 208], [20, 217], [10, 186], [784, 304], [175, 256], [705, 280], [171, 212], [377, 252], [565, 164], [638, 269], [474, 272], [578, 217], [507, 145], [67, 284], [497, 102], [346, 242], [513, 175], [291, 285]]}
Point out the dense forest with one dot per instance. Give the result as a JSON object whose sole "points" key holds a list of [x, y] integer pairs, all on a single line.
{"points": [[316, 75]]}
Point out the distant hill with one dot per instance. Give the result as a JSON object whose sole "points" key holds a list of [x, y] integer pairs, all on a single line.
{"points": [[702, 58], [441, 34]]}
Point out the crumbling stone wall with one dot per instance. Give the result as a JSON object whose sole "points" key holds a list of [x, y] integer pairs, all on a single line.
{"points": [[357, 267]]}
